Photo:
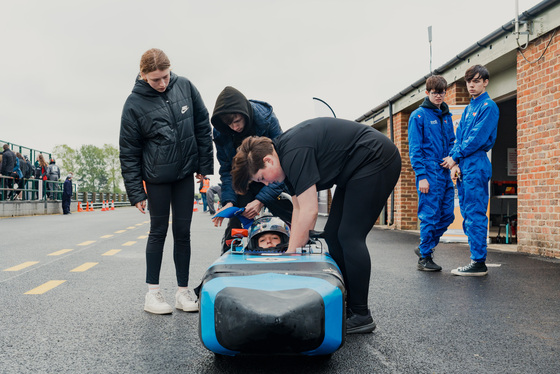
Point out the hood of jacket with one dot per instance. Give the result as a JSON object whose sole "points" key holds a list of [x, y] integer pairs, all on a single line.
{"points": [[229, 101], [143, 88], [429, 105]]}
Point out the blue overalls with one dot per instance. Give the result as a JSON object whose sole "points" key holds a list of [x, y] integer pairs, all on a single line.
{"points": [[430, 138], [476, 135]]}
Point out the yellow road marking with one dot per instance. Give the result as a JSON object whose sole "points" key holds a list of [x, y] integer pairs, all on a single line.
{"points": [[120, 231], [111, 252], [130, 227], [142, 236], [22, 266], [87, 243], [107, 236], [61, 252], [139, 224], [45, 287], [128, 244], [84, 267]]}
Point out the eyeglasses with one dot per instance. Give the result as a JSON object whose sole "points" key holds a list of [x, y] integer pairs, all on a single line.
{"points": [[440, 94]]}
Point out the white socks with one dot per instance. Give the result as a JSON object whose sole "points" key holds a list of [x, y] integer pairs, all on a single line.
{"points": [[153, 288]]}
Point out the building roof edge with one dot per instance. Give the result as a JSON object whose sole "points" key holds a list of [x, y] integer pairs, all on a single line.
{"points": [[482, 43]]}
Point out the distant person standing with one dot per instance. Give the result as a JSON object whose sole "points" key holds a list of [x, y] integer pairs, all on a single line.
{"points": [[67, 194], [19, 169], [430, 138], [7, 168], [471, 168], [28, 171], [211, 194], [41, 176], [165, 138], [204, 185], [53, 175]]}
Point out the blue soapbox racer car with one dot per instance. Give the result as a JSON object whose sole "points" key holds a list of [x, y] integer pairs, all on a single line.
{"points": [[263, 301]]}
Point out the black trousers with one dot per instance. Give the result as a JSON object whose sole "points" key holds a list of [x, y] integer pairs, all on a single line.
{"points": [[66, 203], [179, 196], [354, 210], [7, 183]]}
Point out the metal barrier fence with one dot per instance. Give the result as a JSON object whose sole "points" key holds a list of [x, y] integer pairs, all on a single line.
{"points": [[30, 189], [31, 152], [39, 190]]}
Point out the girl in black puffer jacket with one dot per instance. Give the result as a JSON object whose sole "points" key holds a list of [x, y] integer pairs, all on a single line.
{"points": [[165, 138]]}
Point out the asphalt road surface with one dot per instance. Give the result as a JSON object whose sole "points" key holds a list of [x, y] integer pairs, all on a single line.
{"points": [[72, 292]]}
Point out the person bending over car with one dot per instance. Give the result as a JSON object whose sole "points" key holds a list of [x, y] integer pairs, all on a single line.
{"points": [[315, 155]]}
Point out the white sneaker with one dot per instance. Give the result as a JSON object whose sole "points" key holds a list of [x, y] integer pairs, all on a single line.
{"points": [[155, 303], [186, 301]]}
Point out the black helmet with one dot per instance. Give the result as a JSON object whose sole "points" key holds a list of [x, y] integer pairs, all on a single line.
{"points": [[268, 224]]}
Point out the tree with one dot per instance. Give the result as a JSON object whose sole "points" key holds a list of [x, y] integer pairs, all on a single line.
{"points": [[113, 168], [66, 158], [95, 169], [91, 169]]}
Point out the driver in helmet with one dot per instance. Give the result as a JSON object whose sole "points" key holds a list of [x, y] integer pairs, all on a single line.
{"points": [[269, 232], [269, 240]]}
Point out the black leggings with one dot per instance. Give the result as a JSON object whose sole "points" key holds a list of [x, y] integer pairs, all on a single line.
{"points": [[354, 210], [180, 196]]}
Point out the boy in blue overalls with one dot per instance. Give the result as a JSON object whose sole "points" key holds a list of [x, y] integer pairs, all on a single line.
{"points": [[430, 138], [471, 167]]}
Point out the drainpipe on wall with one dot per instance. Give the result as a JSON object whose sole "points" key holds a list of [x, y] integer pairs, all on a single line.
{"points": [[392, 137]]}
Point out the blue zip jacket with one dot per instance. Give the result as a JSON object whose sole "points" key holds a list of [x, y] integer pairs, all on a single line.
{"points": [[260, 121], [478, 128], [17, 170], [430, 137], [67, 188]]}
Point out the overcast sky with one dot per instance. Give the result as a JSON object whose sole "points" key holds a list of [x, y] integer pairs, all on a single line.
{"points": [[67, 66]]}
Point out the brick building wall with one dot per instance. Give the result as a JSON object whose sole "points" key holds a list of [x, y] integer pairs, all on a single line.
{"points": [[457, 94], [538, 149], [406, 201]]}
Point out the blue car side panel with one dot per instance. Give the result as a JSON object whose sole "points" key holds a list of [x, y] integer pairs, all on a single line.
{"points": [[283, 275]]}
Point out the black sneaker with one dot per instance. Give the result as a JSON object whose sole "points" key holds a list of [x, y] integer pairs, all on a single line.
{"points": [[427, 264], [358, 324], [417, 252], [474, 269]]}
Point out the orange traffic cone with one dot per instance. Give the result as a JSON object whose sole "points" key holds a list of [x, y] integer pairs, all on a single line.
{"points": [[112, 205], [103, 208], [195, 209], [80, 207], [90, 209]]}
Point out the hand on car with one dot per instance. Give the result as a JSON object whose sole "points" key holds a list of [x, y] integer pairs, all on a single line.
{"points": [[218, 220], [252, 209]]}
